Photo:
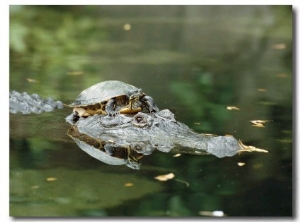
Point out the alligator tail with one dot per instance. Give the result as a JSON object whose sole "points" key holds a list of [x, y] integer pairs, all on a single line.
{"points": [[26, 104]]}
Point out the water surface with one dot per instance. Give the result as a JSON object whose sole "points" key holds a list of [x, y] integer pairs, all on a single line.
{"points": [[195, 61]]}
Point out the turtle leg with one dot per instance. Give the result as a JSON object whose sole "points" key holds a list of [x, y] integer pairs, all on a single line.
{"points": [[148, 101], [109, 108], [75, 117]]}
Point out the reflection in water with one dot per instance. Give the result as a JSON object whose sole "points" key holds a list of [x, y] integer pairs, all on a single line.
{"points": [[141, 134], [106, 151], [195, 61]]}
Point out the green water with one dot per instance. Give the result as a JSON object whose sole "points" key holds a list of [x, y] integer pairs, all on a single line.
{"points": [[195, 61]]}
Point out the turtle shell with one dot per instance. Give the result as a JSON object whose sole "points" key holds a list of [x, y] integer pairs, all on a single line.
{"points": [[93, 100], [102, 92]]}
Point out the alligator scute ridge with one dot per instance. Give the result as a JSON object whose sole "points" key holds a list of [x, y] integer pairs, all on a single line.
{"points": [[26, 104]]}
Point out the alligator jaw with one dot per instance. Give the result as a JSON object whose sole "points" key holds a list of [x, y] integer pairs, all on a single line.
{"points": [[245, 148], [159, 131]]}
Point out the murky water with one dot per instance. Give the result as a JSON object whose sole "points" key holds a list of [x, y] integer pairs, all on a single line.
{"points": [[194, 60]]}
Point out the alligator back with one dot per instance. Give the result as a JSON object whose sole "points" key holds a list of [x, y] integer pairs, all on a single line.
{"points": [[26, 104]]}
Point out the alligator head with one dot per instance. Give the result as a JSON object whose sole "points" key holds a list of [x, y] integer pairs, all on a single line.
{"points": [[145, 132]]}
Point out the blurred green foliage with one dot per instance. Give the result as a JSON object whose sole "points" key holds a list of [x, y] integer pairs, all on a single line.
{"points": [[48, 34], [49, 42]]}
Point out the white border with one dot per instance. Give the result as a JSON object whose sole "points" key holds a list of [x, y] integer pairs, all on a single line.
{"points": [[4, 45], [4, 169]]}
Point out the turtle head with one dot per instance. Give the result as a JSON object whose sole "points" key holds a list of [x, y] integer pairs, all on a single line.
{"points": [[135, 94], [134, 98]]}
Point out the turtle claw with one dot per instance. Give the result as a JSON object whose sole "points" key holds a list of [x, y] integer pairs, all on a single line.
{"points": [[154, 109], [150, 105]]}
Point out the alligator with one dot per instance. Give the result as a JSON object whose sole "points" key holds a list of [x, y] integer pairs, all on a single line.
{"points": [[126, 138]]}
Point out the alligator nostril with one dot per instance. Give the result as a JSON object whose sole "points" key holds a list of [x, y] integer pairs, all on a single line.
{"points": [[139, 119]]}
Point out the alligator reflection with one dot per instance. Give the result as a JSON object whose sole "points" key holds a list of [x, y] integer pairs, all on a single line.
{"points": [[106, 151], [125, 139]]}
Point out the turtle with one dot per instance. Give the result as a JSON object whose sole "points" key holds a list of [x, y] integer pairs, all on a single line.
{"points": [[111, 98]]}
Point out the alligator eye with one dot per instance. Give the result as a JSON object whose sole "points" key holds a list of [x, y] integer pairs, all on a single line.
{"points": [[139, 119]]}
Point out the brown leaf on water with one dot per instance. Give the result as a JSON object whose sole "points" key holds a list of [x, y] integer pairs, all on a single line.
{"points": [[127, 27], [50, 179], [261, 90], [279, 46], [165, 177], [241, 164], [232, 108], [32, 80], [177, 155], [259, 123]]}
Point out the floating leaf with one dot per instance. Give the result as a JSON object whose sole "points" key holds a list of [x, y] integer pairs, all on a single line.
{"points": [[262, 90], [241, 164], [232, 108], [128, 184], [165, 177], [279, 46], [32, 80], [259, 123], [127, 27], [51, 179], [177, 155]]}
